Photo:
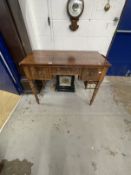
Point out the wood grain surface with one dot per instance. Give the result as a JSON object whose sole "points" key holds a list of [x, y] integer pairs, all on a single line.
{"points": [[72, 58], [7, 103]]}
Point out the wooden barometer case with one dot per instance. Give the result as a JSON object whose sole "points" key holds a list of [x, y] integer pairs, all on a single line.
{"points": [[75, 9]]}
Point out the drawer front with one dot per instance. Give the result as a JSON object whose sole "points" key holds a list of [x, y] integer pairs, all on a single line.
{"points": [[40, 73], [65, 71], [91, 74]]}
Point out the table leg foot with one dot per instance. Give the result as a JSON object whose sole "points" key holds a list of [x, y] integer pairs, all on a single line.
{"points": [[37, 99], [93, 96], [32, 85], [85, 83]]}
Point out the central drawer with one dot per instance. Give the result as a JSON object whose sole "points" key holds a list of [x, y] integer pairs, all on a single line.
{"points": [[65, 71], [40, 73]]}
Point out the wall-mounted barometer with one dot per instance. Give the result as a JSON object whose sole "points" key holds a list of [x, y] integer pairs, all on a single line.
{"points": [[75, 9]]}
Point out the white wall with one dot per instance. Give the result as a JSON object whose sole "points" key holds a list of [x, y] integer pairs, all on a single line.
{"points": [[96, 27]]}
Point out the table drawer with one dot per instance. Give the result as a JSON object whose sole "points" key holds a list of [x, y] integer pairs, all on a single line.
{"points": [[65, 71], [40, 73], [91, 74]]}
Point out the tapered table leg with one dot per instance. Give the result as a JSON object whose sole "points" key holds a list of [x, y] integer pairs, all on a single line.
{"points": [[103, 73], [95, 92], [34, 90], [93, 96]]}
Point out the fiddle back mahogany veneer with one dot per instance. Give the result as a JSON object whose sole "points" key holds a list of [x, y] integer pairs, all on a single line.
{"points": [[91, 67]]}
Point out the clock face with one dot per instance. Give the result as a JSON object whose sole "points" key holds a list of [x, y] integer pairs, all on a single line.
{"points": [[75, 7]]}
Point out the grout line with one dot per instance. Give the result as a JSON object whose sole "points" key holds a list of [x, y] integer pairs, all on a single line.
{"points": [[9, 116]]}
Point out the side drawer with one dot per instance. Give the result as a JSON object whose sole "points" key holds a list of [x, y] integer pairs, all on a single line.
{"points": [[65, 71], [91, 74], [40, 73]]}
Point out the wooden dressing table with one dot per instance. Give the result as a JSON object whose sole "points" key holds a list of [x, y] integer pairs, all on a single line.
{"points": [[91, 67]]}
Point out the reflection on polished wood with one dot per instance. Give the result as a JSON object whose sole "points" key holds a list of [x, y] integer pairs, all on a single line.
{"points": [[91, 67]]}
